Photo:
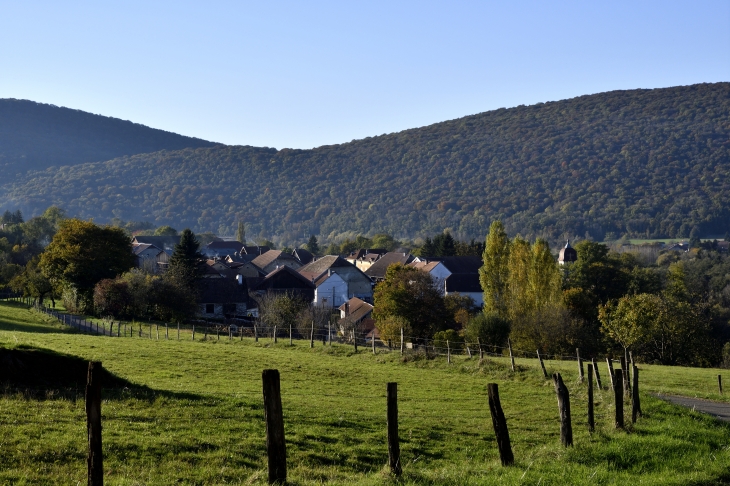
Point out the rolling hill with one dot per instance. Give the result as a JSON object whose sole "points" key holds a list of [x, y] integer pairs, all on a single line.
{"points": [[645, 163], [38, 136]]}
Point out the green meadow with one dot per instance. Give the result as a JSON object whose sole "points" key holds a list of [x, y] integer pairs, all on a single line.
{"points": [[184, 412]]}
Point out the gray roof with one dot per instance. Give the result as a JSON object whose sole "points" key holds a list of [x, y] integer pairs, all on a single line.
{"points": [[377, 270]]}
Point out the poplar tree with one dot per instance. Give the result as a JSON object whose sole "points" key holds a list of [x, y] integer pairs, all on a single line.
{"points": [[241, 232], [494, 274]]}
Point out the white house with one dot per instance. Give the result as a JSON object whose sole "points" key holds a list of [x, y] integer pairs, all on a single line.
{"points": [[438, 271], [331, 290]]}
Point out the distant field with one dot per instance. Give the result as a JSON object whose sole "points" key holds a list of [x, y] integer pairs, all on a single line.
{"points": [[191, 413]]}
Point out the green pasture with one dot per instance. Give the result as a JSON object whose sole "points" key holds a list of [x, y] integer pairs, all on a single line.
{"points": [[184, 412]]}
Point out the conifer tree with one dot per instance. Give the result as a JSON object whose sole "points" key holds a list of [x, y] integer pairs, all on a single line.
{"points": [[183, 268], [313, 245]]}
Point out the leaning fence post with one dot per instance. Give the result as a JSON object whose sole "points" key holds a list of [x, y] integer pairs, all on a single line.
{"points": [[591, 416], [393, 442], [94, 459], [274, 417], [618, 398], [626, 377], [580, 365], [511, 358], [566, 429], [598, 376], [611, 376], [542, 365], [499, 422], [635, 403]]}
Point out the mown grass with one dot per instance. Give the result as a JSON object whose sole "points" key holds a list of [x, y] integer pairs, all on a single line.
{"points": [[191, 413]]}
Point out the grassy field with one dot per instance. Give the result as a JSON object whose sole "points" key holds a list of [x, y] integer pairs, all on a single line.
{"points": [[191, 413]]}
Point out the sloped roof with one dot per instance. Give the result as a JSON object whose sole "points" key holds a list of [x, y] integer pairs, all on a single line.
{"points": [[284, 277], [463, 264], [377, 270], [362, 252], [162, 242], [316, 268], [224, 245], [221, 291], [140, 247], [425, 266], [268, 258], [357, 309], [254, 249], [303, 255]]}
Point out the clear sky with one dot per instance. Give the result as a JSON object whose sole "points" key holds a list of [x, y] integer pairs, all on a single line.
{"points": [[304, 74]]}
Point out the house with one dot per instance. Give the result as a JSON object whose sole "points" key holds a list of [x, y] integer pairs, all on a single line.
{"points": [[467, 284], [364, 258], [222, 298], [568, 254], [358, 284], [221, 248], [254, 250], [376, 272], [356, 314], [285, 280], [330, 291], [273, 259], [438, 271], [150, 257]]}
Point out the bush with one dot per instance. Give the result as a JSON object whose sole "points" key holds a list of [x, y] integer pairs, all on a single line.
{"points": [[489, 329], [455, 342]]}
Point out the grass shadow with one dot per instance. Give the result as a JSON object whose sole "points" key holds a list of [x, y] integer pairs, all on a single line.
{"points": [[42, 374], [18, 317]]}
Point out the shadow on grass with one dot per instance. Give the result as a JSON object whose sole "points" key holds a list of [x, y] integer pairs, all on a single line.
{"points": [[42, 374], [18, 317]]}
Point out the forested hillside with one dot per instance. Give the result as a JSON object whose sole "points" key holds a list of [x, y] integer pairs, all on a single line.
{"points": [[646, 163], [37, 136]]}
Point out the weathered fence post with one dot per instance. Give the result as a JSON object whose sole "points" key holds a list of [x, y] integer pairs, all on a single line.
{"points": [[217, 333], [94, 459], [566, 429], [167, 334], [119, 324], [499, 422], [618, 396], [178, 330], [591, 416], [448, 352], [274, 417], [468, 351], [354, 340], [157, 331], [275, 340], [611, 376], [598, 376], [626, 377], [230, 333], [311, 336], [635, 403], [542, 364], [481, 353], [193, 339], [511, 358], [291, 341], [373, 340], [401, 341], [719, 383], [580, 365], [393, 442], [255, 333]]}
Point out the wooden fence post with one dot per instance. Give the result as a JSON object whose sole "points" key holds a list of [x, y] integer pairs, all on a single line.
{"points": [[448, 352], [157, 331], [611, 377], [119, 324], [635, 403], [719, 383], [230, 333], [580, 365], [255, 333], [217, 333], [354, 339], [511, 358], [291, 341], [591, 416], [542, 365], [468, 350], [311, 336], [401, 341], [373, 340], [566, 429], [274, 417], [618, 396], [94, 459], [393, 442], [178, 330], [598, 376], [626, 377], [481, 353], [275, 340], [499, 422], [193, 339]]}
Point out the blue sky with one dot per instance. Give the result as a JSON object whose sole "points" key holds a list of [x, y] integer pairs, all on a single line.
{"points": [[304, 74]]}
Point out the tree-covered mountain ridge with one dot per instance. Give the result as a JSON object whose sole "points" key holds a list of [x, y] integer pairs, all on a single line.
{"points": [[645, 163], [38, 135]]}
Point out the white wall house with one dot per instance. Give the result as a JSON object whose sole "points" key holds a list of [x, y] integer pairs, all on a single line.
{"points": [[331, 290]]}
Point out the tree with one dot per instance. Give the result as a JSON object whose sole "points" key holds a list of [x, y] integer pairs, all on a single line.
{"points": [[312, 245], [384, 241], [279, 309], [185, 260], [165, 231], [411, 294], [445, 244], [82, 253], [241, 232], [489, 329], [428, 249], [112, 298], [32, 283], [494, 274]]}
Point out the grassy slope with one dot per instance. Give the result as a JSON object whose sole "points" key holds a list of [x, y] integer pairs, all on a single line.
{"points": [[201, 420]]}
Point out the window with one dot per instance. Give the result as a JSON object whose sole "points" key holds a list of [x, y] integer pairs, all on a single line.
{"points": [[210, 308]]}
